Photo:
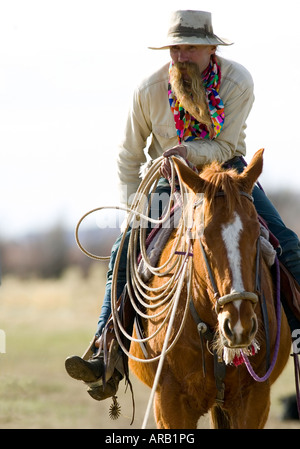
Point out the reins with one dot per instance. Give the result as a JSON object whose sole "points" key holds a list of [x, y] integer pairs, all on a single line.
{"points": [[277, 342]]}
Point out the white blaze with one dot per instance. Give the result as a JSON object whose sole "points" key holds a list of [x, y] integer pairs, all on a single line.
{"points": [[231, 236]]}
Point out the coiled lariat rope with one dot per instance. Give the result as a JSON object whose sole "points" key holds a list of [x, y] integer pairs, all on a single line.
{"points": [[165, 295], [177, 267]]}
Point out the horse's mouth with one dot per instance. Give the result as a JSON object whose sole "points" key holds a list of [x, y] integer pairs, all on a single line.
{"points": [[233, 353], [232, 345]]}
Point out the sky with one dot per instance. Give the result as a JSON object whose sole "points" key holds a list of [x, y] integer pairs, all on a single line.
{"points": [[67, 72]]}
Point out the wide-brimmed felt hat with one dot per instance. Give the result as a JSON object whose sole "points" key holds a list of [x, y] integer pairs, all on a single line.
{"points": [[191, 28]]}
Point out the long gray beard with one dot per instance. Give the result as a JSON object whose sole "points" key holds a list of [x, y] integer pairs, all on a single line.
{"points": [[190, 93]]}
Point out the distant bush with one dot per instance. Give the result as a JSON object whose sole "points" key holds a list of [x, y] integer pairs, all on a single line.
{"points": [[49, 254]]}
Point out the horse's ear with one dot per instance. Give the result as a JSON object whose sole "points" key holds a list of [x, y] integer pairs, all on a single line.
{"points": [[252, 171], [189, 178]]}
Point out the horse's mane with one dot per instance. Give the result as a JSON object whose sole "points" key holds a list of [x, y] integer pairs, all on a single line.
{"points": [[220, 180]]}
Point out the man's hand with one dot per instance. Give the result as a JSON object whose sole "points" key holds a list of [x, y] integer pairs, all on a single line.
{"points": [[179, 150]]}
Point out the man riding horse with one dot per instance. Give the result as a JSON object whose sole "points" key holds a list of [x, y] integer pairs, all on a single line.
{"points": [[196, 107]]}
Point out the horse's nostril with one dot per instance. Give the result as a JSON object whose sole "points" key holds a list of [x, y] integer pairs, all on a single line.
{"points": [[227, 328], [254, 326]]}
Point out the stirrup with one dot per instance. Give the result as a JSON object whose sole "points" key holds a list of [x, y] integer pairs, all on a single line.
{"points": [[112, 361], [107, 385], [100, 392]]}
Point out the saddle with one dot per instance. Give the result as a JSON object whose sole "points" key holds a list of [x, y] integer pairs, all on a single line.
{"points": [[289, 287], [290, 290]]}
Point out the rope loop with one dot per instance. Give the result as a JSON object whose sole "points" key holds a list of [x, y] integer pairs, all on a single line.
{"points": [[176, 268]]}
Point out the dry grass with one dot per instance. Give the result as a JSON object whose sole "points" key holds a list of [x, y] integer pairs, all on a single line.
{"points": [[47, 320]]}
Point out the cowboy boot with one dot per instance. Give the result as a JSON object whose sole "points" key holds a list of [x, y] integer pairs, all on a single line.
{"points": [[117, 363], [102, 379], [86, 370]]}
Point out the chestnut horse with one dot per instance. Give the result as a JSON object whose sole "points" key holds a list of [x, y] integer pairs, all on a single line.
{"points": [[224, 264]]}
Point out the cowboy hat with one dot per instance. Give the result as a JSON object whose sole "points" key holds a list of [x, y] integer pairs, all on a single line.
{"points": [[191, 28]]}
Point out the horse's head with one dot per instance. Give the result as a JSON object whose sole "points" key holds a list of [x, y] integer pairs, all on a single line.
{"points": [[225, 250]]}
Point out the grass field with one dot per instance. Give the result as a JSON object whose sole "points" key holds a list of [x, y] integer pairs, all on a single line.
{"points": [[44, 322]]}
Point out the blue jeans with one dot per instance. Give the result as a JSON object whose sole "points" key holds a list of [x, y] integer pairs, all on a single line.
{"points": [[288, 240]]}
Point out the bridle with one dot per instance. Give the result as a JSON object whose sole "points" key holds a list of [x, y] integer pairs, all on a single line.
{"points": [[203, 329], [230, 297]]}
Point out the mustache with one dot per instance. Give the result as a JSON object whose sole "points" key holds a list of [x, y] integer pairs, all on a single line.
{"points": [[186, 68]]}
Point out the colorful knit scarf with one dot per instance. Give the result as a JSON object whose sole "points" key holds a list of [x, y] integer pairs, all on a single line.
{"points": [[187, 126]]}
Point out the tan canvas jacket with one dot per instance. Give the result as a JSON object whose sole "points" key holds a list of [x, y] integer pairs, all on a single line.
{"points": [[151, 125]]}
